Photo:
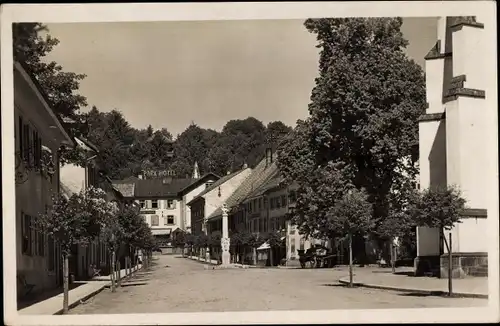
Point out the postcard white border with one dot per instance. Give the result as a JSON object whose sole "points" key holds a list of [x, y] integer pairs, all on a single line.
{"points": [[239, 11]]}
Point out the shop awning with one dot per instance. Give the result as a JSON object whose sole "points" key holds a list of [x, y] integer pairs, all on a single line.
{"points": [[161, 231], [264, 246]]}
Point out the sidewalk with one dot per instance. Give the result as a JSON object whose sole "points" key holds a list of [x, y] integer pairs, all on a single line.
{"points": [[475, 287], [123, 273], [54, 305]]}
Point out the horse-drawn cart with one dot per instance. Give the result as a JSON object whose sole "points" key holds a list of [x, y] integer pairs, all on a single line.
{"points": [[316, 256]]}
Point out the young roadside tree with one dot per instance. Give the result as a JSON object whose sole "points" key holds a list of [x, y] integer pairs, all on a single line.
{"points": [[112, 233], [75, 220], [441, 208], [400, 221], [179, 241], [132, 226], [351, 215], [364, 114]]}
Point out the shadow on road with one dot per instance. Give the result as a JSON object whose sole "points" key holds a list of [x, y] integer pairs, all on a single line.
{"points": [[424, 295], [341, 285]]}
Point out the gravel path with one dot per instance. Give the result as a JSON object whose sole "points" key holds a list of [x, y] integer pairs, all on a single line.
{"points": [[187, 286]]}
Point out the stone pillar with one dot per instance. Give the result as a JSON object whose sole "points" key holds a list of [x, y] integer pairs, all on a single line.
{"points": [[225, 241]]}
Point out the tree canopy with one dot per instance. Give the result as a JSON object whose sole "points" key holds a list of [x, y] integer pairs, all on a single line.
{"points": [[363, 124]]}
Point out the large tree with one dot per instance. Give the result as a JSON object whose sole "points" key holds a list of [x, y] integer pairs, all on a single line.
{"points": [[241, 141], [364, 114], [61, 87], [193, 145]]}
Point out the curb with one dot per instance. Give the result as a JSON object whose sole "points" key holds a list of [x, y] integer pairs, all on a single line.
{"points": [[428, 292], [85, 298], [90, 295]]}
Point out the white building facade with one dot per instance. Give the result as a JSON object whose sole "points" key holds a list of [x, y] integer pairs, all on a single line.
{"points": [[452, 137]]}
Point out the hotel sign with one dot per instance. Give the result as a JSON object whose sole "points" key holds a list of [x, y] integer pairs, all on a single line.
{"points": [[148, 212]]}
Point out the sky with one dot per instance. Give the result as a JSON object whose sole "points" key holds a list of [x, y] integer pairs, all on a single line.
{"points": [[170, 74]]}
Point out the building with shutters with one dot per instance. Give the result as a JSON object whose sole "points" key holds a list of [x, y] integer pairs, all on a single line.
{"points": [[163, 200], [39, 134]]}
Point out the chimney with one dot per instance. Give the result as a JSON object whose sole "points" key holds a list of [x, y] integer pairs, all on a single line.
{"points": [[269, 156]]}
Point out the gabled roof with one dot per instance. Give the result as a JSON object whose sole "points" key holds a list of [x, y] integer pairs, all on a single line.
{"points": [[198, 181], [158, 188], [259, 175], [86, 144], [273, 181], [130, 179], [25, 72], [216, 184], [126, 189], [135, 187]]}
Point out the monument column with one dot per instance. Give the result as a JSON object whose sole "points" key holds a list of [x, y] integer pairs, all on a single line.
{"points": [[225, 241]]}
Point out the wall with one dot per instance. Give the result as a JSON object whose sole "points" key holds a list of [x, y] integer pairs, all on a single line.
{"points": [[163, 212], [212, 199], [186, 214], [32, 196]]}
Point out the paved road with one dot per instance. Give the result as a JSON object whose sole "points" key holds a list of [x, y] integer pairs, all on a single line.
{"points": [[186, 286]]}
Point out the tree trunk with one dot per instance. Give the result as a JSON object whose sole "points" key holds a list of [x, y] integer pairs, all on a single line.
{"points": [[350, 261], [254, 256], [65, 283], [393, 260], [112, 274], [271, 257], [450, 268]]}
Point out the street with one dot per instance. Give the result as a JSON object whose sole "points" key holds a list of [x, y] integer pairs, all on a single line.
{"points": [[187, 286]]}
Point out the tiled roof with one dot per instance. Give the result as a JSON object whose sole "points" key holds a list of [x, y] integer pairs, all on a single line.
{"points": [[259, 175], [218, 183], [126, 189], [159, 188], [273, 181], [131, 179]]}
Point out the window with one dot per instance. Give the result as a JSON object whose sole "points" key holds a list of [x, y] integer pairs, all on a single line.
{"points": [[283, 201], [255, 205], [302, 241], [265, 202], [170, 219], [292, 196], [26, 234], [170, 204], [142, 203], [154, 203], [278, 202], [155, 220]]}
